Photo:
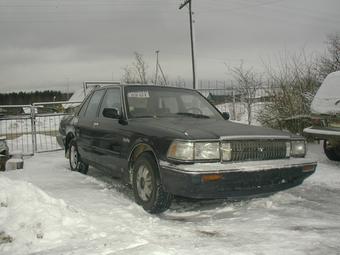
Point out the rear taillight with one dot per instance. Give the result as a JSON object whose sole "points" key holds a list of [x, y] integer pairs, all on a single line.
{"points": [[316, 121]]}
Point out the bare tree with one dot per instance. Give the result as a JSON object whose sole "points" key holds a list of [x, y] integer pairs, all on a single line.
{"points": [[292, 86], [248, 83], [330, 62], [137, 72], [140, 67], [129, 76]]}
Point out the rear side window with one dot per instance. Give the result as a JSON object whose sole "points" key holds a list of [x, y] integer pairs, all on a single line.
{"points": [[83, 108], [92, 108]]}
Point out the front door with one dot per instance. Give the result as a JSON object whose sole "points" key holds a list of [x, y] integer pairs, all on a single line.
{"points": [[109, 134]]}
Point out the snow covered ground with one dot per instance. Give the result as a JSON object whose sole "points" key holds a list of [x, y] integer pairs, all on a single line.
{"points": [[47, 209]]}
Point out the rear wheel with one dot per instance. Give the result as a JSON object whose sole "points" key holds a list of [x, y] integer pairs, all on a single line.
{"points": [[76, 164], [147, 187], [332, 153]]}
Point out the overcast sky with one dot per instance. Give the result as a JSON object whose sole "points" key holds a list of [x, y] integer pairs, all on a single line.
{"points": [[47, 44]]}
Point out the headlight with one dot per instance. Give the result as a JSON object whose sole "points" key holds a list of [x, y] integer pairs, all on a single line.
{"points": [[298, 148], [205, 150], [181, 150], [189, 151]]}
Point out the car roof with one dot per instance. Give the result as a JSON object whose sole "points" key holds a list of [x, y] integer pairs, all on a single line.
{"points": [[144, 85]]}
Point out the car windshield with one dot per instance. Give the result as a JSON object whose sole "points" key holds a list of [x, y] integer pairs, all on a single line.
{"points": [[149, 101]]}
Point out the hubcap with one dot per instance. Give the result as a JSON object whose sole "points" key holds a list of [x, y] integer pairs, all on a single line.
{"points": [[74, 157], [144, 183]]}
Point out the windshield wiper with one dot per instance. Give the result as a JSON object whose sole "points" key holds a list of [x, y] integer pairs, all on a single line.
{"points": [[194, 115]]}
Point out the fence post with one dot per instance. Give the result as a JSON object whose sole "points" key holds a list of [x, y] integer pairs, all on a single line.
{"points": [[33, 130]]}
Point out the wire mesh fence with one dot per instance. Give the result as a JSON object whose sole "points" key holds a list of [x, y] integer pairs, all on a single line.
{"points": [[33, 128], [16, 126]]}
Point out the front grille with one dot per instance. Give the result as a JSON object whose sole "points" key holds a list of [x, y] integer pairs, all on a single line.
{"points": [[257, 150]]}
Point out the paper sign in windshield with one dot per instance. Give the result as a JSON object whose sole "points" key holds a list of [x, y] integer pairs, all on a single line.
{"points": [[139, 94]]}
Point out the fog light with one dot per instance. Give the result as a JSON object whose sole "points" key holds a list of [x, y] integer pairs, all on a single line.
{"points": [[212, 177]]}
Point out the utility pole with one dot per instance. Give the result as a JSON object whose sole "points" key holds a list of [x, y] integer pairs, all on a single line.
{"points": [[164, 79], [157, 52], [192, 42]]}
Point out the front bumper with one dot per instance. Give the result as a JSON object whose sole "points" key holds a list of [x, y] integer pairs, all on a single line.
{"points": [[236, 179], [323, 133]]}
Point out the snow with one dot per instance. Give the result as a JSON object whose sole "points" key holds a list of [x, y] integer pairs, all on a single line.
{"points": [[326, 100], [19, 133], [23, 125], [241, 114], [33, 217], [47, 209], [23, 143]]}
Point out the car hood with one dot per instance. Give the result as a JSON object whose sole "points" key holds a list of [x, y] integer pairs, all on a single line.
{"points": [[209, 128]]}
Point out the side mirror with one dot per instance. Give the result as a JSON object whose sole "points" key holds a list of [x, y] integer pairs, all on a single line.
{"points": [[112, 113], [226, 115]]}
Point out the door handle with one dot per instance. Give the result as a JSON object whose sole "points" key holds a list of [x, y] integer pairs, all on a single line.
{"points": [[95, 124]]}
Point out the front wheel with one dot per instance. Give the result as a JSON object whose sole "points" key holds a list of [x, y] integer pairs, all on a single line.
{"points": [[332, 153], [147, 187], [76, 164]]}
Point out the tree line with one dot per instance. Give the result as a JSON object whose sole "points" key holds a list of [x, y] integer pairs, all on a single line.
{"points": [[25, 98]]}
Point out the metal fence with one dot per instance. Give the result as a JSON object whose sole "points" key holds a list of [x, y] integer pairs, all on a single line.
{"points": [[33, 128], [234, 101]]}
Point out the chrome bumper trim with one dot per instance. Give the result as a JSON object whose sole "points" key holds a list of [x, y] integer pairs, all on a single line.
{"points": [[314, 131], [249, 166]]}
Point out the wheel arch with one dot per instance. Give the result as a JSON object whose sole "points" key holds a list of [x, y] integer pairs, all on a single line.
{"points": [[68, 139], [136, 151]]}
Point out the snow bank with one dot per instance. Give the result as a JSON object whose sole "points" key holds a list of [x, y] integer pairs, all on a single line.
{"points": [[31, 218], [327, 99]]}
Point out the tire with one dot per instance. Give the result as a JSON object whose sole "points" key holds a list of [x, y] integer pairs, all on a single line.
{"points": [[331, 153], [76, 164], [147, 187]]}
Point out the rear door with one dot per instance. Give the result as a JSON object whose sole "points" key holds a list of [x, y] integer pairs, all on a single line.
{"points": [[87, 125]]}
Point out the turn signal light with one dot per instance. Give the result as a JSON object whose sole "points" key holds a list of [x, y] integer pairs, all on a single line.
{"points": [[308, 168], [211, 177]]}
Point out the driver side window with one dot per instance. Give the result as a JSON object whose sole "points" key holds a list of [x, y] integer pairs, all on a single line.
{"points": [[112, 99]]}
